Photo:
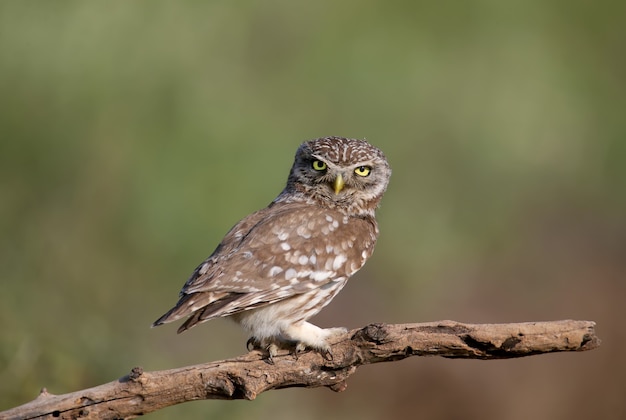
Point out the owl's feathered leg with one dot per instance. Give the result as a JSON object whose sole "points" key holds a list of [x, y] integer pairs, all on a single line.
{"points": [[307, 335]]}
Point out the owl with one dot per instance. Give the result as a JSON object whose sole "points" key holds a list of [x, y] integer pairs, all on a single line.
{"points": [[281, 265]]}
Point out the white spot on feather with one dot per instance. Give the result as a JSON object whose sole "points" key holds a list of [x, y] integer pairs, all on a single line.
{"points": [[204, 268], [338, 262], [275, 270], [303, 232], [321, 275]]}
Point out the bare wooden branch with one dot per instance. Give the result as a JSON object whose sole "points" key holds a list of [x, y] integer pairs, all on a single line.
{"points": [[247, 376]]}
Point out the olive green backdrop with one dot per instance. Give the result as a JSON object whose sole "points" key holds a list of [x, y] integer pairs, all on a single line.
{"points": [[134, 134]]}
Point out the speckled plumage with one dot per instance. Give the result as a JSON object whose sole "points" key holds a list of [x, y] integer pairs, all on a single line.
{"points": [[281, 265]]}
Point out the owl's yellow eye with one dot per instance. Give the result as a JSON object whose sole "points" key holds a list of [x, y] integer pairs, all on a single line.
{"points": [[363, 170], [318, 165]]}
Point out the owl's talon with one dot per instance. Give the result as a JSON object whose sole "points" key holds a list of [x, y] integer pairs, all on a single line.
{"points": [[272, 350], [300, 348], [251, 344], [326, 354]]}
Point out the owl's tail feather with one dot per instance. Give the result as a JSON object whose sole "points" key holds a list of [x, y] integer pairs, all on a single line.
{"points": [[201, 306]]}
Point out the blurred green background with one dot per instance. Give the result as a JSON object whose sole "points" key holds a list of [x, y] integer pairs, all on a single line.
{"points": [[133, 135]]}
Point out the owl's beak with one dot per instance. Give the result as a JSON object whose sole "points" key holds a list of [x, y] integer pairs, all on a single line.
{"points": [[338, 184]]}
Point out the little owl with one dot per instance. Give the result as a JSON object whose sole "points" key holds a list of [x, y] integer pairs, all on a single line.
{"points": [[281, 265]]}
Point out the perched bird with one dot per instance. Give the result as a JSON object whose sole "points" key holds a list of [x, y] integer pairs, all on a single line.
{"points": [[281, 265]]}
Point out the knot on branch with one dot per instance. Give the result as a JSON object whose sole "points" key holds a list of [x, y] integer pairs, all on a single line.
{"points": [[490, 348], [373, 333], [135, 373]]}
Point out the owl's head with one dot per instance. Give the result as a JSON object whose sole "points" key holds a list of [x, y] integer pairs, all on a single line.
{"points": [[347, 174]]}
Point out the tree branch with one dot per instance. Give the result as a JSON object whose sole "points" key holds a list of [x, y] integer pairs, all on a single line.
{"points": [[247, 376]]}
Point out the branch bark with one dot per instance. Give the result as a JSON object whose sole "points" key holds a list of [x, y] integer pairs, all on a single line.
{"points": [[247, 376]]}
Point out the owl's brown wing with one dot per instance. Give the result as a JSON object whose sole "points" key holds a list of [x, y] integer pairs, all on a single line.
{"points": [[276, 253]]}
